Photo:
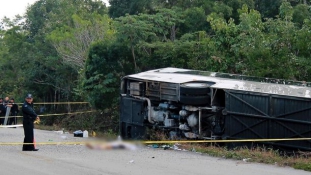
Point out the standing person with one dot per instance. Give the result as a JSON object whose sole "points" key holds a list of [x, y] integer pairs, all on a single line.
{"points": [[7, 104], [2, 111], [6, 100], [14, 111], [29, 116]]}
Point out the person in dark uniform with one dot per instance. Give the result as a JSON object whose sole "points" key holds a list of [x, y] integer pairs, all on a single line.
{"points": [[2, 111], [29, 116], [14, 111]]}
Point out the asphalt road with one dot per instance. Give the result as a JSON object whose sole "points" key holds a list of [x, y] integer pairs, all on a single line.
{"points": [[77, 159]]}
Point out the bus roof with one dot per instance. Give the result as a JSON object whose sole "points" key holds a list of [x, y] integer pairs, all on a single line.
{"points": [[228, 81]]}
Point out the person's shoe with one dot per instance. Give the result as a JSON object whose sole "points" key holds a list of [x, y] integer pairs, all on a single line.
{"points": [[35, 150]]}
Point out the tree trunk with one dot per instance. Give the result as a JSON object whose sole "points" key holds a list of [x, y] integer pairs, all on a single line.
{"points": [[134, 58], [55, 93], [67, 97], [173, 33]]}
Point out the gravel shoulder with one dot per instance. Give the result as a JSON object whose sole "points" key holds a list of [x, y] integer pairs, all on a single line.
{"points": [[77, 159]]}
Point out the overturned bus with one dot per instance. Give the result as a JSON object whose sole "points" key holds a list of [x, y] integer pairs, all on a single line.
{"points": [[208, 105]]}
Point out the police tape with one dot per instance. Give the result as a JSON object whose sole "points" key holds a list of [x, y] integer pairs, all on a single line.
{"points": [[69, 113], [43, 143], [228, 141], [166, 141], [10, 126], [56, 103]]}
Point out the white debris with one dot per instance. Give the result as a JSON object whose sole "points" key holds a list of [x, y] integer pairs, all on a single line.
{"points": [[175, 147], [59, 132], [246, 159]]}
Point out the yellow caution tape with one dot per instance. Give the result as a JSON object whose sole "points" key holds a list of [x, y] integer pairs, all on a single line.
{"points": [[166, 142], [10, 126], [56, 114], [11, 116], [226, 141], [65, 113], [56, 103], [43, 143]]}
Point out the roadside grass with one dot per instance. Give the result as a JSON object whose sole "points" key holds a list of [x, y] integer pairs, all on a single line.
{"points": [[297, 160], [259, 154]]}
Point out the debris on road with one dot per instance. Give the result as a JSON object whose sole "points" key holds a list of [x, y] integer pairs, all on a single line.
{"points": [[246, 159], [78, 133], [59, 132], [165, 147], [155, 146], [112, 145]]}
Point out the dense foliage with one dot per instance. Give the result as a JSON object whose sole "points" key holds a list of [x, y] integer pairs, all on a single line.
{"points": [[63, 50]]}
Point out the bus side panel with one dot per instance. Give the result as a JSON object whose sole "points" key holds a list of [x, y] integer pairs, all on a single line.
{"points": [[292, 119], [262, 116]]}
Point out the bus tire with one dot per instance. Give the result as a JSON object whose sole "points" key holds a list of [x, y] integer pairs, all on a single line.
{"points": [[194, 89]]}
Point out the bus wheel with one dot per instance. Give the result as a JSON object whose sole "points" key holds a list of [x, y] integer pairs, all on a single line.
{"points": [[194, 89]]}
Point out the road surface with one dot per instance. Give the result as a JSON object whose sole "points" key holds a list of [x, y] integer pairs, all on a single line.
{"points": [[79, 160]]}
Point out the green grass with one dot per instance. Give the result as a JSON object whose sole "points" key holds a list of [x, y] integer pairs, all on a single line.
{"points": [[300, 160]]}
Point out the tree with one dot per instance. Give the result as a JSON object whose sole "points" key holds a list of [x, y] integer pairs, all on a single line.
{"points": [[104, 68], [13, 46], [237, 4], [42, 18], [130, 31], [120, 8], [268, 8], [73, 43], [301, 12], [194, 20]]}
